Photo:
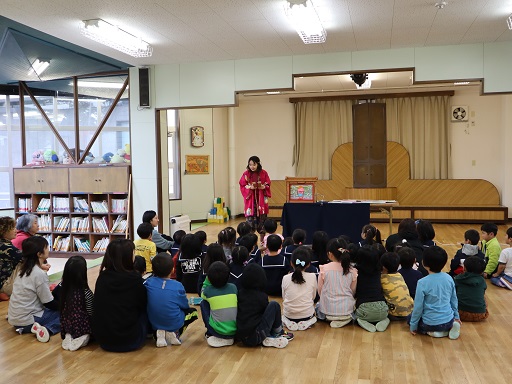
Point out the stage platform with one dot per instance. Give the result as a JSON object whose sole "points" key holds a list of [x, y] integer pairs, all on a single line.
{"points": [[441, 201]]}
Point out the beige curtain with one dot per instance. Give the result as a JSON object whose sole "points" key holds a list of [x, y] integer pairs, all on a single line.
{"points": [[420, 124], [320, 127]]}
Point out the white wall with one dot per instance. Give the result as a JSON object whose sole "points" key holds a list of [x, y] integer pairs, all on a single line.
{"points": [[477, 146], [196, 190]]}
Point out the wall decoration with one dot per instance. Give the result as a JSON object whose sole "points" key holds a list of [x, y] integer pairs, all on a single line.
{"points": [[197, 136], [197, 164]]}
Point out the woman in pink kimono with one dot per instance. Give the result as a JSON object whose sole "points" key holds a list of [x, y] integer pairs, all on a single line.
{"points": [[255, 188]]}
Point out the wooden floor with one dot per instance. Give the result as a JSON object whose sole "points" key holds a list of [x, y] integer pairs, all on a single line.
{"points": [[482, 354]]}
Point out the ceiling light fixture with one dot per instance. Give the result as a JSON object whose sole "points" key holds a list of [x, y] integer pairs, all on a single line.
{"points": [[305, 21], [39, 66], [98, 84], [362, 81], [509, 22], [112, 36]]}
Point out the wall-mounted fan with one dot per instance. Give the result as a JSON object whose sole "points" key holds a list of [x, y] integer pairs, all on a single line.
{"points": [[460, 113]]}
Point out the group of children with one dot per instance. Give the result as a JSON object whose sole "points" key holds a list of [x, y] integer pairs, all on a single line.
{"points": [[140, 291]]}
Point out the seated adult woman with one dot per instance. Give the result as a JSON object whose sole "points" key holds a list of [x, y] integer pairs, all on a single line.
{"points": [[163, 242], [119, 320], [26, 226], [10, 256]]}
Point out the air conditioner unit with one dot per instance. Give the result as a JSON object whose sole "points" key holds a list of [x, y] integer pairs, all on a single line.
{"points": [[460, 113], [180, 222]]}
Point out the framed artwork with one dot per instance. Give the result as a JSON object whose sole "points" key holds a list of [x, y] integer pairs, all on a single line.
{"points": [[300, 189], [197, 164], [197, 136]]}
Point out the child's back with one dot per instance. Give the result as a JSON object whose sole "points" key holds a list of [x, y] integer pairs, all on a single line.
{"points": [[275, 265], [240, 255], [410, 275], [394, 288], [189, 263], [470, 287]]}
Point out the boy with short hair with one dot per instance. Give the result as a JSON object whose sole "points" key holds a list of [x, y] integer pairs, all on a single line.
{"points": [[167, 308], [503, 276], [435, 310], [270, 226], [490, 247], [299, 237], [275, 265], [219, 306], [411, 276], [469, 248], [394, 288], [470, 287], [144, 246]]}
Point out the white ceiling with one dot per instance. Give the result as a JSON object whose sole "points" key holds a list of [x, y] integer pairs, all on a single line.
{"points": [[207, 30]]}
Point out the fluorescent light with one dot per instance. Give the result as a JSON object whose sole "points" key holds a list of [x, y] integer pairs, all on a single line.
{"points": [[305, 20], [509, 22], [461, 83], [273, 93], [112, 36], [39, 66], [98, 84]]}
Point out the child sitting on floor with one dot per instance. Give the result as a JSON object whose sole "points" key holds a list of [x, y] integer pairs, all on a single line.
{"points": [[270, 226], [32, 307], [275, 265], [168, 311], [337, 284], [394, 288], [411, 276], [258, 320], [144, 246], [299, 292], [470, 287], [299, 237], [371, 308], [435, 310], [239, 257], [469, 248], [76, 303], [503, 276], [219, 306]]}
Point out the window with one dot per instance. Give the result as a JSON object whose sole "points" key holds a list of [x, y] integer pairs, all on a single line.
{"points": [[10, 146], [173, 154]]}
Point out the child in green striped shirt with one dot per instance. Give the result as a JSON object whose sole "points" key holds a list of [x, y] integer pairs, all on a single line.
{"points": [[219, 306]]}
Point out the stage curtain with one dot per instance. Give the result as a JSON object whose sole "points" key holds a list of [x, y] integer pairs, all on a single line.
{"points": [[420, 124], [320, 127]]}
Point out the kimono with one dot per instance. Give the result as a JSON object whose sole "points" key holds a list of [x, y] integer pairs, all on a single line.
{"points": [[255, 200]]}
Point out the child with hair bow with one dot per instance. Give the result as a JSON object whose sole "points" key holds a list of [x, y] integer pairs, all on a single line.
{"points": [[299, 292]]}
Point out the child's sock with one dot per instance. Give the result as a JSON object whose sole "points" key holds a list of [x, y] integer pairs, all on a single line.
{"points": [[382, 325], [366, 325], [438, 334]]}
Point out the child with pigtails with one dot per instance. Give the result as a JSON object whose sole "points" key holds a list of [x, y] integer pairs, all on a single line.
{"points": [[299, 292]]}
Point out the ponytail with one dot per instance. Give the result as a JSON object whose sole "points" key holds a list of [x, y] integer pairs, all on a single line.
{"points": [[301, 258], [372, 234], [338, 249]]}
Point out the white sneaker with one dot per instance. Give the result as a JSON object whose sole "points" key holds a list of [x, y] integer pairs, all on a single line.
{"points": [[276, 342], [41, 333], [217, 342], [66, 342], [172, 338], [339, 323], [437, 334], [291, 325], [79, 342], [160, 338]]}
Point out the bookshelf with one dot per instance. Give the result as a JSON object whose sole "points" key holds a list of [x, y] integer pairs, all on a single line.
{"points": [[80, 208]]}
